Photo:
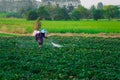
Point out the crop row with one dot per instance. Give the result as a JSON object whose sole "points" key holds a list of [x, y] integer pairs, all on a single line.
{"points": [[80, 58], [23, 26]]}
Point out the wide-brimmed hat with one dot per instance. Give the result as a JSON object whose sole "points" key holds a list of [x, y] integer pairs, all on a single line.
{"points": [[36, 32], [43, 31]]}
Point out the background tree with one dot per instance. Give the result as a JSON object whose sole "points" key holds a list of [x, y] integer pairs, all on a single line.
{"points": [[51, 10], [111, 12], [61, 14], [70, 8], [65, 13], [43, 13], [100, 5], [92, 10], [75, 15], [83, 12], [26, 6], [32, 15], [13, 15], [23, 11], [98, 14]]}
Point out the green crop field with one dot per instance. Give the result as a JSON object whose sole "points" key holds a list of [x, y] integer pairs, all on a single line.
{"points": [[81, 58], [84, 26], [6, 35]]}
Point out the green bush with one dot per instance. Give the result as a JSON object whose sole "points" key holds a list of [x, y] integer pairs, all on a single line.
{"points": [[2, 15], [43, 13], [32, 15], [13, 14]]}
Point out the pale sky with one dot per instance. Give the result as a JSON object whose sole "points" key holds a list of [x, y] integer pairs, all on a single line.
{"points": [[89, 3]]}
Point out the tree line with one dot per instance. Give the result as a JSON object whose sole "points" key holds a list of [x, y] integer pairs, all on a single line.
{"points": [[57, 13], [50, 12]]}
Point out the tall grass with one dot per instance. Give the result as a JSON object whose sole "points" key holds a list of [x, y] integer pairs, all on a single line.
{"points": [[7, 35], [16, 25], [83, 26], [3, 15]]}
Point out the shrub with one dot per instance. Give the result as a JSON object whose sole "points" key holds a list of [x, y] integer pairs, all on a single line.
{"points": [[32, 15], [13, 14]]}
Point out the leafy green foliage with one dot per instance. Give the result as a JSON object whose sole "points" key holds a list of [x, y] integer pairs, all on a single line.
{"points": [[83, 12], [32, 15], [43, 13], [57, 13], [91, 11], [79, 13], [61, 14], [75, 15], [9, 15], [13, 15], [80, 58], [111, 11], [97, 14], [3, 15], [50, 12]]}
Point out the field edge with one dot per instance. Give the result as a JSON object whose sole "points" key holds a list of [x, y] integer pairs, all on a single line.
{"points": [[104, 35]]}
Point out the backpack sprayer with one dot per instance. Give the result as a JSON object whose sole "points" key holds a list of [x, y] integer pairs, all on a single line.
{"points": [[54, 44]]}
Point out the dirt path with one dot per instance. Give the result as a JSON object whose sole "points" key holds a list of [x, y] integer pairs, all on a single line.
{"points": [[105, 35], [87, 35]]}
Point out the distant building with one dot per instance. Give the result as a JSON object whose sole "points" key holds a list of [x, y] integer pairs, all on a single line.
{"points": [[15, 5], [61, 3]]}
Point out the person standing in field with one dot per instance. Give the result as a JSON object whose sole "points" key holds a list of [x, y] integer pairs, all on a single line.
{"points": [[39, 34]]}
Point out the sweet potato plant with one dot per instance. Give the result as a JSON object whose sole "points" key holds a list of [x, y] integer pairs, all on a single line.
{"points": [[81, 58]]}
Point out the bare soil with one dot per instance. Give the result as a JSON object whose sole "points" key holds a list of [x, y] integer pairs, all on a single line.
{"points": [[105, 35]]}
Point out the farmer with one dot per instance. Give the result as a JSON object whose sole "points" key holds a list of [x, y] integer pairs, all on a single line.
{"points": [[39, 36]]}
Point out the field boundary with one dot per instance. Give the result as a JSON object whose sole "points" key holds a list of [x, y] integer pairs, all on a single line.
{"points": [[104, 35]]}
